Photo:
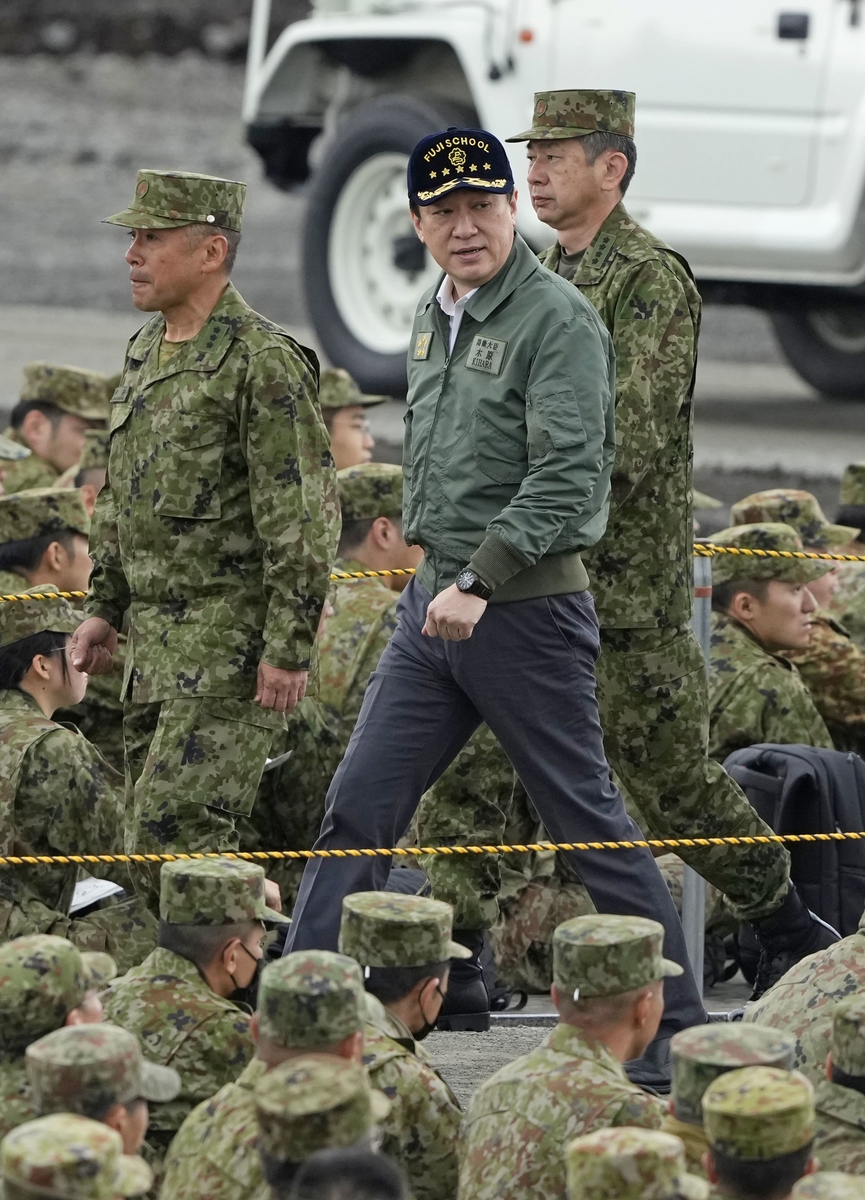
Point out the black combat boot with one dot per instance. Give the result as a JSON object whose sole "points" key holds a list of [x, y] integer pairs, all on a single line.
{"points": [[789, 934], [467, 1002]]}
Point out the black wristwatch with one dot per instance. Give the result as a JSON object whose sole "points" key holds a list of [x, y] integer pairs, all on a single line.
{"points": [[469, 581]]}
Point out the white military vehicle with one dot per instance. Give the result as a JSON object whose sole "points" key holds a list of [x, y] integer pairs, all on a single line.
{"points": [[750, 136]]}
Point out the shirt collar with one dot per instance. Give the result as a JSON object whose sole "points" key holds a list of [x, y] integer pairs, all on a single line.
{"points": [[445, 298]]}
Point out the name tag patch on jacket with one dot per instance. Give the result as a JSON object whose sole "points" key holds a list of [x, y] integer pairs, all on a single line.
{"points": [[422, 345], [120, 395], [486, 354]]}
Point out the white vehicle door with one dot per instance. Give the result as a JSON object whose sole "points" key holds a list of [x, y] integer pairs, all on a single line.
{"points": [[728, 94]]}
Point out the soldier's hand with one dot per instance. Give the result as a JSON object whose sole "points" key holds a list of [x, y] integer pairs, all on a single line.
{"points": [[272, 895], [280, 690], [453, 614], [92, 647]]}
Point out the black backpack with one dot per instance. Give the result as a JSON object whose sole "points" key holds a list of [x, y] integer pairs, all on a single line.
{"points": [[803, 789]]}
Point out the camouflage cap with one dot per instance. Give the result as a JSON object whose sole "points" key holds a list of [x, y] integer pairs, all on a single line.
{"points": [[71, 389], [704, 1052], [89, 1068], [853, 484], [12, 451], [767, 535], [370, 490], [337, 389], [800, 510], [169, 199], [94, 456], [42, 978], [757, 1113], [829, 1185], [26, 617], [384, 929], [848, 1035], [702, 500], [630, 1164], [311, 998], [214, 891], [575, 114], [41, 511], [316, 1102], [605, 955], [71, 1157]]}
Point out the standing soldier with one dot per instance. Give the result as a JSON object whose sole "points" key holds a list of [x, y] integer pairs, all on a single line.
{"points": [[216, 529]]}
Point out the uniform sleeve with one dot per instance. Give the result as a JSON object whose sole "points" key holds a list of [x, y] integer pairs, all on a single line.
{"points": [[764, 706], [421, 1132], [644, 1111], [292, 484], [108, 596], [833, 667], [571, 441]]}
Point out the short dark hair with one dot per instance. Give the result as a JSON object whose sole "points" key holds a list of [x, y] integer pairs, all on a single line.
{"points": [[199, 944], [390, 984], [26, 554], [723, 593], [594, 145], [199, 230], [761, 1178], [54, 414], [355, 533], [349, 1174], [852, 514], [98, 1110], [16, 660]]}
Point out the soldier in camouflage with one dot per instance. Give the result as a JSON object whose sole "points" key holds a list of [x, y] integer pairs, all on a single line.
{"points": [[343, 407], [68, 1157], [608, 989], [180, 1001], [761, 606], [404, 945], [10, 452], [309, 1002], [829, 1185], [840, 1097], [216, 529], [651, 675], [848, 603], [89, 472], [45, 983], [759, 1123], [57, 406], [630, 1164]]}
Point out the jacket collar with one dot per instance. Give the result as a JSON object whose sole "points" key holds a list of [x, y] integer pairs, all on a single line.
{"points": [[566, 1039], [607, 242], [733, 631], [520, 264], [18, 701], [204, 352]]}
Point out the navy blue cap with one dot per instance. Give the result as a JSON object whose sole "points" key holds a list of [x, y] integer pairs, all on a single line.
{"points": [[458, 158]]}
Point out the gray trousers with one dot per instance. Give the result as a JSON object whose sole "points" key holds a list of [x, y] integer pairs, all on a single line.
{"points": [[528, 671]]}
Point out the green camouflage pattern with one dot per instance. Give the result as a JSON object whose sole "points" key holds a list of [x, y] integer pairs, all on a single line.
{"points": [[764, 535], [370, 490], [576, 113], [214, 891], [383, 929], [705, 1052], [26, 617], [40, 512], [848, 603], [522, 938], [216, 530], [28, 472], [755, 696], [521, 1119], [604, 955], [42, 978], [169, 199], [693, 1138], [338, 390], [71, 389], [312, 1103], [180, 1022], [839, 1143], [758, 1113], [94, 456], [853, 484], [89, 1068], [800, 510], [99, 716], [11, 451], [421, 1131], [848, 1035], [311, 999], [72, 1158], [833, 669], [829, 1185], [630, 1164]]}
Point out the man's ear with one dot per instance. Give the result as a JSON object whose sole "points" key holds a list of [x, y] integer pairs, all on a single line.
{"points": [[33, 424], [743, 607], [229, 955], [253, 1027], [115, 1118]]}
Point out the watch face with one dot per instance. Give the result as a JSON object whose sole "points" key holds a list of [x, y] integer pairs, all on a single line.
{"points": [[466, 579]]}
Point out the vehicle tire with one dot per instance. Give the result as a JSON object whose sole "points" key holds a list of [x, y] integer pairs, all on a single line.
{"points": [[363, 269], [826, 346]]}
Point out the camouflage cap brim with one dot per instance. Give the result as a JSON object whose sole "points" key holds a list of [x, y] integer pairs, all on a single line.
{"points": [[133, 218], [670, 969], [691, 1187], [455, 950], [99, 968], [833, 536], [702, 500], [134, 1176], [550, 135], [158, 1084], [11, 451], [271, 917]]}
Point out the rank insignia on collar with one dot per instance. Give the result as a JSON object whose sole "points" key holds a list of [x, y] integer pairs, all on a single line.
{"points": [[422, 345], [486, 354]]}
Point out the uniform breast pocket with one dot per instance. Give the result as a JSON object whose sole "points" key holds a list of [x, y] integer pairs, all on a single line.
{"points": [[188, 467], [119, 414], [500, 456]]}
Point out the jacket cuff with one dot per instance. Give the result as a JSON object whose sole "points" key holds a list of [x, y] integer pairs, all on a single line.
{"points": [[495, 561], [108, 612]]}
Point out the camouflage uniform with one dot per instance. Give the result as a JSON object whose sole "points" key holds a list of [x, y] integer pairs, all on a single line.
{"points": [[840, 1143], [829, 1185], [71, 389], [848, 603], [700, 1056], [630, 1164], [307, 1001], [71, 1158], [42, 979], [520, 1120], [381, 929], [10, 452], [754, 695], [214, 533]]}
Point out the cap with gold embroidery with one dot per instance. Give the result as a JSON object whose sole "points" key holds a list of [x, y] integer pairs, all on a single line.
{"points": [[458, 158], [169, 199]]}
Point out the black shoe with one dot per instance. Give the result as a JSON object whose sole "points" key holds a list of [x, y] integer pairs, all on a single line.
{"points": [[467, 1002], [654, 1071], [788, 935]]}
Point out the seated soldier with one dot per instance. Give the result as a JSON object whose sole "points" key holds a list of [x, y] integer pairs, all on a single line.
{"points": [[840, 1097], [702, 1054], [403, 944], [832, 665], [759, 607], [315, 1103], [180, 1001], [343, 408], [309, 1002], [45, 983], [98, 1071], [609, 992], [67, 1157], [759, 1124], [848, 602], [57, 405], [43, 540], [349, 1175], [638, 1163]]}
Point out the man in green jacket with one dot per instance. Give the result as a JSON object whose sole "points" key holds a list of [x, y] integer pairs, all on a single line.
{"points": [[508, 450]]}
